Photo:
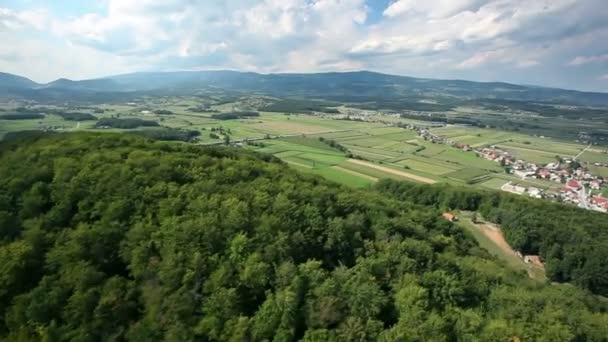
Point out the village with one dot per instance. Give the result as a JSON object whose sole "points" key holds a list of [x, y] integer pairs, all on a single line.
{"points": [[580, 187]]}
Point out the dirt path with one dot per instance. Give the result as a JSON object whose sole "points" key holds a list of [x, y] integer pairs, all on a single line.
{"points": [[583, 151], [495, 234], [355, 173], [393, 171]]}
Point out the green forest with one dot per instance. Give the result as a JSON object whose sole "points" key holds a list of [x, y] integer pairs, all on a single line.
{"points": [[119, 237], [573, 242]]}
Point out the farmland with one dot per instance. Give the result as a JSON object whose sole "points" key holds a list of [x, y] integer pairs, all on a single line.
{"points": [[352, 152]]}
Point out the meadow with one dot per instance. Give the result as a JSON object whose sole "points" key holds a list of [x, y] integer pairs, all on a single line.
{"points": [[386, 151]]}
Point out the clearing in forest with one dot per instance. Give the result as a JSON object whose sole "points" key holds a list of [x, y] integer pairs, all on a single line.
{"points": [[490, 237]]}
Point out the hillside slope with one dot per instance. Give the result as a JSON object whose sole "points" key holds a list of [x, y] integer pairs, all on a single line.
{"points": [[108, 236], [342, 86]]}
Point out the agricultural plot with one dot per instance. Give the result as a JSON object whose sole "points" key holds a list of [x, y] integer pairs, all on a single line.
{"points": [[400, 136], [493, 183], [598, 170], [345, 176], [402, 147], [390, 171], [469, 175], [287, 127], [310, 142], [594, 157], [425, 167], [377, 153], [467, 159], [368, 142], [530, 154]]}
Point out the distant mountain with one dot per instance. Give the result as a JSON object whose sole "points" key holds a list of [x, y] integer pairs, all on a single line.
{"points": [[358, 86], [102, 84], [8, 81]]}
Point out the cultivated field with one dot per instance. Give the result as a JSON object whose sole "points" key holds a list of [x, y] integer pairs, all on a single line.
{"points": [[353, 152]]}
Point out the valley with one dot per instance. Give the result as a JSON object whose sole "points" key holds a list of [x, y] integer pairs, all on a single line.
{"points": [[350, 145]]}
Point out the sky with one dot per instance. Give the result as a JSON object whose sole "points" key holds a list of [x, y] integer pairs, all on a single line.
{"points": [[557, 43]]}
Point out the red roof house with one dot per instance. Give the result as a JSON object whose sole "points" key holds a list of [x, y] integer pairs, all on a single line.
{"points": [[572, 184]]}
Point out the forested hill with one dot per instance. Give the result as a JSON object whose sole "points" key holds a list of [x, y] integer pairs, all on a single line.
{"points": [[358, 86], [573, 242], [114, 237]]}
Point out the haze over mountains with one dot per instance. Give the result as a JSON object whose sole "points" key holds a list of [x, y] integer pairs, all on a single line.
{"points": [[344, 86]]}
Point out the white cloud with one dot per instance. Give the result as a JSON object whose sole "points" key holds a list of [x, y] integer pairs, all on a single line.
{"points": [[581, 60], [431, 9], [433, 38]]}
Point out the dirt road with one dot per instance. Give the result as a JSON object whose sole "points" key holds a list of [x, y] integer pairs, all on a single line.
{"points": [[393, 171]]}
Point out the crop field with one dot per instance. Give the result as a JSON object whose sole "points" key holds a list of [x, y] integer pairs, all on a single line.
{"points": [[425, 167], [469, 175], [493, 183], [531, 154], [384, 151], [594, 157]]}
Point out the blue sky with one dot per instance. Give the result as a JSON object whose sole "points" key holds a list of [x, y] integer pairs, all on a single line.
{"points": [[558, 43]]}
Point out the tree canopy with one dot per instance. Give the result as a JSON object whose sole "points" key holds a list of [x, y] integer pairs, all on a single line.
{"points": [[572, 241], [116, 237]]}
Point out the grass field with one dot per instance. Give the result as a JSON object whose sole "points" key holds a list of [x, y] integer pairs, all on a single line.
{"points": [[493, 183], [425, 167], [388, 151], [469, 175]]}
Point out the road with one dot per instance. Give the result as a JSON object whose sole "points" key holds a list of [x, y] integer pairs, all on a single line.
{"points": [[583, 151]]}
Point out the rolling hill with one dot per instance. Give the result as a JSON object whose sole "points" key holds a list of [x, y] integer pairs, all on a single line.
{"points": [[357, 86]]}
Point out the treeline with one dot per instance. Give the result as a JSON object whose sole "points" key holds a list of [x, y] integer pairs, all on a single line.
{"points": [[129, 123], [25, 113], [404, 104], [163, 112], [21, 116], [336, 145], [572, 241], [235, 115], [76, 116], [443, 119], [115, 237], [302, 106], [546, 110], [170, 134], [202, 109]]}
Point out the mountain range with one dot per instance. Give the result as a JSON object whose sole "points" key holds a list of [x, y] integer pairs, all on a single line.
{"points": [[357, 86]]}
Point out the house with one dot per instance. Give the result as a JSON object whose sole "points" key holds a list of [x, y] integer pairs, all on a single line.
{"points": [[533, 259], [552, 166], [595, 184], [574, 185], [544, 173], [450, 217], [600, 201], [523, 173], [535, 192], [510, 187]]}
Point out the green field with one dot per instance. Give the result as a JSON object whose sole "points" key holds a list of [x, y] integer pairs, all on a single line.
{"points": [[425, 167], [469, 175], [493, 183], [294, 138]]}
